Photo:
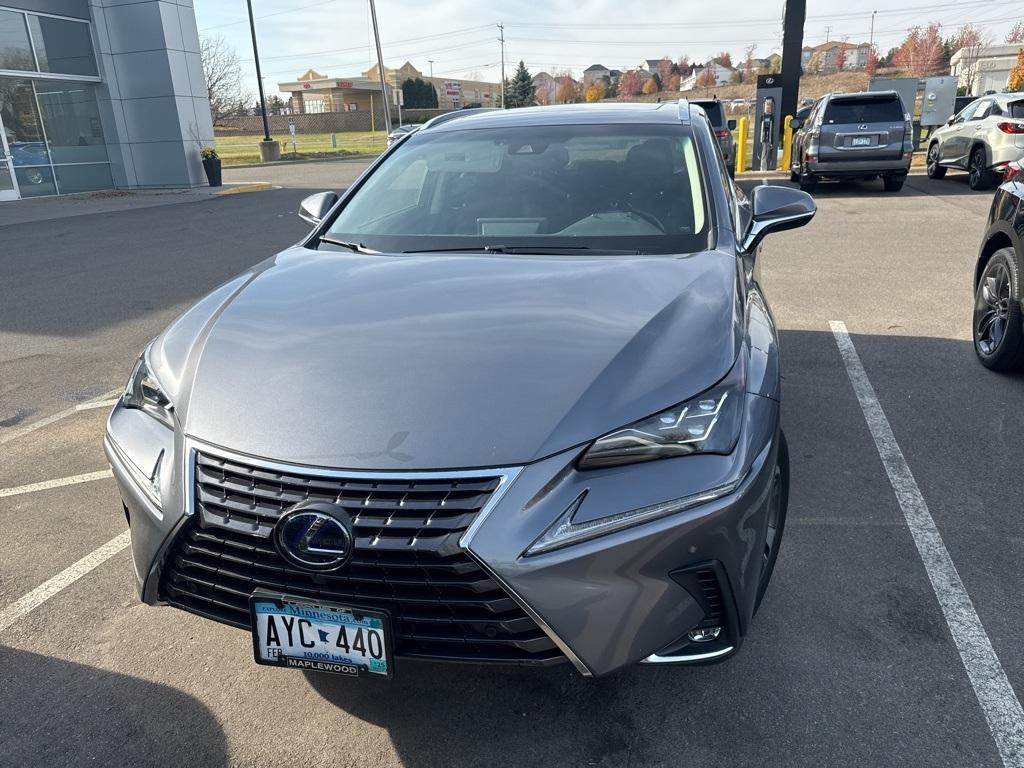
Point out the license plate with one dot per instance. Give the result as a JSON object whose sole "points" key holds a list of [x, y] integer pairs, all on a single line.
{"points": [[861, 141], [319, 637]]}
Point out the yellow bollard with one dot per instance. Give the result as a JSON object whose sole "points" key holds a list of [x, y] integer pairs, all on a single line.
{"points": [[741, 144], [787, 143]]}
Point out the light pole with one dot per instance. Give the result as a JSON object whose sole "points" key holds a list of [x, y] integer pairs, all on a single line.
{"points": [[871, 38], [431, 62], [380, 69], [501, 28], [266, 151]]}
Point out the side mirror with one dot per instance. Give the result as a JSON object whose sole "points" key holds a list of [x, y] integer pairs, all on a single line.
{"points": [[315, 207], [731, 125], [777, 209], [796, 123]]}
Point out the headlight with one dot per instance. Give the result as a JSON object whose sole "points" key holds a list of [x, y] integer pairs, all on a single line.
{"points": [[143, 391], [708, 423]]}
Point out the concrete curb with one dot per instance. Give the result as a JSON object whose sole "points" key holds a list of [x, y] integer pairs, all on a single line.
{"points": [[237, 189], [301, 160]]}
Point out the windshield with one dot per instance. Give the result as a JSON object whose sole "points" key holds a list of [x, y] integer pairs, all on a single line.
{"points": [[628, 188], [867, 109]]}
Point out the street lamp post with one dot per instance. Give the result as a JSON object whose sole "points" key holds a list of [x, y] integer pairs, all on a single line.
{"points": [[269, 149], [380, 69]]}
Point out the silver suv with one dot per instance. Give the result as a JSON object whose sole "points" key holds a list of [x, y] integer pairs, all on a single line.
{"points": [[853, 135], [982, 139]]}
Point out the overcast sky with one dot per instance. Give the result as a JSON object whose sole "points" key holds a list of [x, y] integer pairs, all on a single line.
{"points": [[333, 36]]}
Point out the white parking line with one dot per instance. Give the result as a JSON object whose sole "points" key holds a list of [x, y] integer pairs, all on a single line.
{"points": [[96, 404], [998, 701], [64, 579], [47, 421], [60, 482]]}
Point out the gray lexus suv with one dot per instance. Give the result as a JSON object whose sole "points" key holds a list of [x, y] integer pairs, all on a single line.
{"points": [[514, 399], [853, 136]]}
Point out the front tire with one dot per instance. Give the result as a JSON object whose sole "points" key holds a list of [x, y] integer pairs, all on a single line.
{"points": [[997, 325], [979, 176], [935, 171], [778, 503]]}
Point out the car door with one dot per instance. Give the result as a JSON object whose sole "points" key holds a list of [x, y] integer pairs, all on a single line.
{"points": [[976, 128], [953, 149]]}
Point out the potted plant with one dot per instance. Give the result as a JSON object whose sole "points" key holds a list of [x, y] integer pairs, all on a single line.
{"points": [[211, 164]]}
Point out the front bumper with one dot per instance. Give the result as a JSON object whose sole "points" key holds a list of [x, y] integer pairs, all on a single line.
{"points": [[606, 603]]}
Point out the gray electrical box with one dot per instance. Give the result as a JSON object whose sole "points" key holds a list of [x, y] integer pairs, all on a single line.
{"points": [[767, 121], [939, 101], [906, 87]]}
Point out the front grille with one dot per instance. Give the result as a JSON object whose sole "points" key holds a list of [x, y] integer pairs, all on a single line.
{"points": [[407, 560]]}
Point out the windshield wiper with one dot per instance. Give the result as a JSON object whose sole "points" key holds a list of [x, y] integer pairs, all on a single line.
{"points": [[551, 250], [354, 247]]}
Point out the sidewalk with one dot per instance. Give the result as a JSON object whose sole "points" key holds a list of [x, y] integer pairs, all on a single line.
{"points": [[86, 203]]}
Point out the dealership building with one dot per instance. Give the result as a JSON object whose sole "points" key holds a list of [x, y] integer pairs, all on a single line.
{"points": [[100, 94], [314, 92]]}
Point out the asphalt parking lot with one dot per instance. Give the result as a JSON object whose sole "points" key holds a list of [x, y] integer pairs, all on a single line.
{"points": [[851, 660]]}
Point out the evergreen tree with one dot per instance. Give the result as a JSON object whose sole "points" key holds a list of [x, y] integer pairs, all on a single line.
{"points": [[519, 90], [419, 94]]}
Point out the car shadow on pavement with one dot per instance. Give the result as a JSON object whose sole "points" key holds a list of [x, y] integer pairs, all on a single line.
{"points": [[55, 713], [849, 590], [954, 185]]}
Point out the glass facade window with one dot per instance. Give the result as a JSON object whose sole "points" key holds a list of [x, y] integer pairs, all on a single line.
{"points": [[54, 136], [71, 120], [15, 48], [62, 47]]}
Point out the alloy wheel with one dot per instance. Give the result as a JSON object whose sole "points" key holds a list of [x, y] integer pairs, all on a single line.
{"points": [[933, 159], [992, 308], [977, 169]]}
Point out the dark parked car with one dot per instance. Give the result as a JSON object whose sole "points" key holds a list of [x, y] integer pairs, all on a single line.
{"points": [[514, 399], [998, 328], [722, 129], [853, 136]]}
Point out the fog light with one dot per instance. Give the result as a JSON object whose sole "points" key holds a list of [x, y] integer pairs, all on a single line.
{"points": [[704, 634]]}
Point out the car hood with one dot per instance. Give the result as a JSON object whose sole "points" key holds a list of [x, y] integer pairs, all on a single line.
{"points": [[445, 361]]}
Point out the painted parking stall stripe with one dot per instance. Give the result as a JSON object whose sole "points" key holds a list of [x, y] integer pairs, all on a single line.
{"points": [[53, 418], [999, 703], [62, 580], [46, 485]]}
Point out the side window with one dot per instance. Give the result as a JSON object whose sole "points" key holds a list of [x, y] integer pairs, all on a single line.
{"points": [[967, 112], [982, 111]]}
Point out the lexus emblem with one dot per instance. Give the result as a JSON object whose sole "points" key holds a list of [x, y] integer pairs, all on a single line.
{"points": [[862, 127], [315, 536]]}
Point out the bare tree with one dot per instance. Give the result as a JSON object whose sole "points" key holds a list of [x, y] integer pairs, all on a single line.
{"points": [[228, 94], [1016, 33], [969, 40]]}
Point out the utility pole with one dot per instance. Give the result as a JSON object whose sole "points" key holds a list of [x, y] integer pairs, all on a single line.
{"points": [[871, 38], [827, 31], [792, 40], [259, 75], [380, 69], [431, 62], [501, 29]]}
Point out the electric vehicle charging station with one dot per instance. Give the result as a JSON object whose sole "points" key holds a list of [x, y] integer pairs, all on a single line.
{"points": [[767, 122]]}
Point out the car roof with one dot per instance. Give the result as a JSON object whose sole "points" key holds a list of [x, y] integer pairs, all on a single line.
{"points": [[667, 112], [863, 95]]}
